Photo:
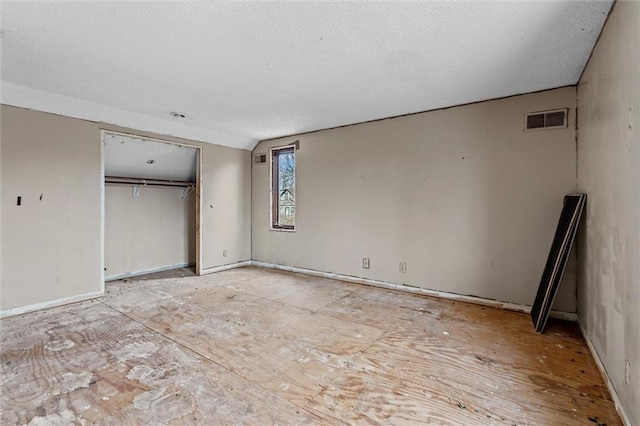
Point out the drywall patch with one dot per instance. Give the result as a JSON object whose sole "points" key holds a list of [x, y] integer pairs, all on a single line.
{"points": [[609, 253]]}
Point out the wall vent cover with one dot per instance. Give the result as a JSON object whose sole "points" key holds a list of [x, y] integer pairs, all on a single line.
{"points": [[555, 119], [260, 158]]}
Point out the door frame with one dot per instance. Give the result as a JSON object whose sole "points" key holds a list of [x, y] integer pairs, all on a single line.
{"points": [[198, 195]]}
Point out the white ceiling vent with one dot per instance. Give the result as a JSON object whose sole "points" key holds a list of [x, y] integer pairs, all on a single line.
{"points": [[555, 119], [260, 158]]}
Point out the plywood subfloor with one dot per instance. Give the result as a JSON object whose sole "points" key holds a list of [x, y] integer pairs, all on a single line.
{"points": [[256, 346]]}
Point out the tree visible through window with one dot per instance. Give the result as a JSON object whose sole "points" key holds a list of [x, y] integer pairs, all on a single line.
{"points": [[283, 188]]}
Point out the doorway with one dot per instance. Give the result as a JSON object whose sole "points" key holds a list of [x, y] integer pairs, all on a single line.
{"points": [[151, 205]]}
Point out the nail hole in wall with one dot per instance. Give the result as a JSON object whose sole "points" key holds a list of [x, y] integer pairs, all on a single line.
{"points": [[19, 201]]}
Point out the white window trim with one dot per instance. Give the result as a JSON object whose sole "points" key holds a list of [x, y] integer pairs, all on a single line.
{"points": [[295, 183]]}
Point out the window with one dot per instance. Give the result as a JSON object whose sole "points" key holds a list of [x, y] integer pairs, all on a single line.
{"points": [[283, 188]]}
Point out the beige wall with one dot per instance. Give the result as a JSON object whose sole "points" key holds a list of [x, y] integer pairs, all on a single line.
{"points": [[1, 221], [226, 205], [154, 231], [608, 164], [51, 248], [463, 195]]}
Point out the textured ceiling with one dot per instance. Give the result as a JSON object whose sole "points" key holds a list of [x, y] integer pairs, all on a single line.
{"points": [[134, 157], [244, 72]]}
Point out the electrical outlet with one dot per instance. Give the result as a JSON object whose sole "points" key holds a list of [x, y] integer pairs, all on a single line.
{"points": [[365, 262], [224, 253], [403, 267], [627, 372]]}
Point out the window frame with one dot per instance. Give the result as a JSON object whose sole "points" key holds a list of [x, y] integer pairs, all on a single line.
{"points": [[274, 219]]}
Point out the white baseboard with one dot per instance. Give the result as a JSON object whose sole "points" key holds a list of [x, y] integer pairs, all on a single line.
{"points": [[49, 304], [226, 267], [348, 278], [569, 316], [605, 376], [146, 271]]}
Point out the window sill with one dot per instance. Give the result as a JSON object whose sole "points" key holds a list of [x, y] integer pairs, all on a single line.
{"points": [[282, 229]]}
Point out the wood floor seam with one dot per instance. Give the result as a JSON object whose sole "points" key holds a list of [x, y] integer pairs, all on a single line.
{"points": [[344, 370], [202, 356], [167, 337]]}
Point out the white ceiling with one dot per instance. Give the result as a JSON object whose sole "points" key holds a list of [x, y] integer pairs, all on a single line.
{"points": [[244, 72], [136, 157]]}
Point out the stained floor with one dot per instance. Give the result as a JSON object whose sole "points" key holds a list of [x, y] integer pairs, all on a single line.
{"points": [[257, 346]]}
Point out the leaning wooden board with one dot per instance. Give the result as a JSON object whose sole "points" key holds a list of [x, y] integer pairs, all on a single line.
{"points": [[557, 260]]}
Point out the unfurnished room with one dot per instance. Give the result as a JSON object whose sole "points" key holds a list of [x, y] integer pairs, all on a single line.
{"points": [[310, 213]]}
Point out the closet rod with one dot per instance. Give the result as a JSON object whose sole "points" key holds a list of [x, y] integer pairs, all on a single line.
{"points": [[148, 182]]}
